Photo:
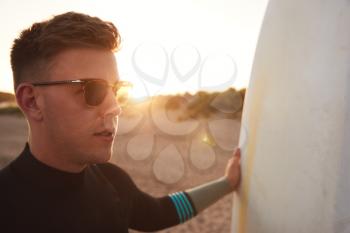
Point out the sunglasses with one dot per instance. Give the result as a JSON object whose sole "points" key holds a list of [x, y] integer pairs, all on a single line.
{"points": [[95, 90]]}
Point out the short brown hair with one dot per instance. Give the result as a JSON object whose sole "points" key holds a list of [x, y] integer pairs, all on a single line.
{"points": [[34, 48]]}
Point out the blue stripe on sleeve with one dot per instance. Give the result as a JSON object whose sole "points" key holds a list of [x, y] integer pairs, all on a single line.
{"points": [[177, 207], [188, 214], [187, 203], [180, 207]]}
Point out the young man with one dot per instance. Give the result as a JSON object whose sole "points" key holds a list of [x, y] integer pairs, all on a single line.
{"points": [[66, 78]]}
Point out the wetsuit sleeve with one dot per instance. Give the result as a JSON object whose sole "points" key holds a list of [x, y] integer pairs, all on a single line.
{"points": [[151, 214], [207, 194], [148, 213]]}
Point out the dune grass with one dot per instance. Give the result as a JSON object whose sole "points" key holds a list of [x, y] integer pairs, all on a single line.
{"points": [[6, 97], [10, 108]]}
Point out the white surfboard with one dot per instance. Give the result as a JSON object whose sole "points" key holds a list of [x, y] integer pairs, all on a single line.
{"points": [[296, 122]]}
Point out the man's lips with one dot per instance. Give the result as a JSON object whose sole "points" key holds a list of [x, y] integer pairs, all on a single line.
{"points": [[106, 133]]}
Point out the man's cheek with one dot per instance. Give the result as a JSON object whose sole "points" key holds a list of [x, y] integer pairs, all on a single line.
{"points": [[80, 128]]}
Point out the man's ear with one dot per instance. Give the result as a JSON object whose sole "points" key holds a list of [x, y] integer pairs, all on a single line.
{"points": [[27, 100]]}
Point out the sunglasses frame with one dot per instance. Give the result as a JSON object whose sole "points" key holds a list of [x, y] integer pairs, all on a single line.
{"points": [[115, 87]]}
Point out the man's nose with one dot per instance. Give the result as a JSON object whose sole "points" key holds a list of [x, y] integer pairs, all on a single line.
{"points": [[111, 110], [110, 105], [114, 112], [110, 119]]}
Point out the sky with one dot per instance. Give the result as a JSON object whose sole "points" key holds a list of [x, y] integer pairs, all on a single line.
{"points": [[167, 46]]}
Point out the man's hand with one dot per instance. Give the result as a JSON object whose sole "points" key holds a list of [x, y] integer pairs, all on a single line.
{"points": [[233, 169]]}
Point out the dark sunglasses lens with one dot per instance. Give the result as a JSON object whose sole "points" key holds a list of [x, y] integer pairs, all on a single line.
{"points": [[95, 92]]}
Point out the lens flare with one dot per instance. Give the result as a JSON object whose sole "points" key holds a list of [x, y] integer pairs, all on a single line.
{"points": [[208, 140]]}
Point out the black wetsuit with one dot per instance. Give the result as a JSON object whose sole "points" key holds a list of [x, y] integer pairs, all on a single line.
{"points": [[102, 198]]}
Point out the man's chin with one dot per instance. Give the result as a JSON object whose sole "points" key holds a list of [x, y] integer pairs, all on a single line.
{"points": [[101, 158], [98, 151], [101, 155], [104, 156]]}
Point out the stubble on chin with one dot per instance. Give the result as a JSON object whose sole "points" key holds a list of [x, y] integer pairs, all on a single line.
{"points": [[101, 156]]}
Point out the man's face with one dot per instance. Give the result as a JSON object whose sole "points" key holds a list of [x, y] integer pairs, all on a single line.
{"points": [[72, 127]]}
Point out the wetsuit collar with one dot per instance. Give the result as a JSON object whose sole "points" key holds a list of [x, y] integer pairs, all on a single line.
{"points": [[32, 170]]}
